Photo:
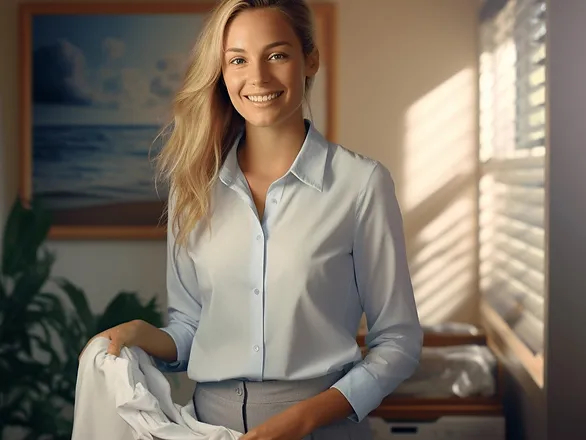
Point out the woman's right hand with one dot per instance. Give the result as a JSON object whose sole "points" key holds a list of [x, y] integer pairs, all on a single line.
{"points": [[123, 335], [139, 333]]}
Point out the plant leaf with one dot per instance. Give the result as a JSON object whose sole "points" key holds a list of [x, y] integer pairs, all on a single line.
{"points": [[22, 373], [25, 231], [17, 220], [29, 284], [3, 294], [17, 399], [79, 301], [126, 307], [68, 327], [26, 287], [46, 417]]}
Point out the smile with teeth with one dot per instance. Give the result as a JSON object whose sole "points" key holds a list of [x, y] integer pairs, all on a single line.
{"points": [[264, 98]]}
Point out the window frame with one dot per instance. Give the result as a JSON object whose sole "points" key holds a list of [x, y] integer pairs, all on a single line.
{"points": [[501, 338]]}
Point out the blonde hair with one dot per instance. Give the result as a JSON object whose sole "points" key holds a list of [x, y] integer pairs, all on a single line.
{"points": [[205, 124]]}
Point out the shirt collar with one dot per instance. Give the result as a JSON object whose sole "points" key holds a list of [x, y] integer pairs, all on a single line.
{"points": [[309, 165]]}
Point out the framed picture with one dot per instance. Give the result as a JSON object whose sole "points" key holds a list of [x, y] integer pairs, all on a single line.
{"points": [[96, 85]]}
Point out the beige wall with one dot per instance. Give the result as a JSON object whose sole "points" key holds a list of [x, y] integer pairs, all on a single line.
{"points": [[406, 95]]}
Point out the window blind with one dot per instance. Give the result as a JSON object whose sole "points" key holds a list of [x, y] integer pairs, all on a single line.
{"points": [[512, 164]]}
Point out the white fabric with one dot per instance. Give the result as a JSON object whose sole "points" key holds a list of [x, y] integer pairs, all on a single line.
{"points": [[127, 397]]}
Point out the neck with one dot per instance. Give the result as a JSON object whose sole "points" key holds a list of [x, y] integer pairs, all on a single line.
{"points": [[270, 151]]}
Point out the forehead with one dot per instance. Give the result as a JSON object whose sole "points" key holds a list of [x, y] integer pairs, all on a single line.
{"points": [[255, 28]]}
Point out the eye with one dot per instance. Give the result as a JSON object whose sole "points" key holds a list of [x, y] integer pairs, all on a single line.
{"points": [[278, 56], [237, 61]]}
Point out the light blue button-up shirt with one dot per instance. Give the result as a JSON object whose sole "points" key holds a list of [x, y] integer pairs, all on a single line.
{"points": [[281, 298]]}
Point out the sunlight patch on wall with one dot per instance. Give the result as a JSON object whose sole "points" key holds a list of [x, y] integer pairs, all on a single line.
{"points": [[438, 197]]}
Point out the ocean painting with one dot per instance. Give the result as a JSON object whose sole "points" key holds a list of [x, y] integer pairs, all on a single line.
{"points": [[102, 86], [97, 86], [89, 174]]}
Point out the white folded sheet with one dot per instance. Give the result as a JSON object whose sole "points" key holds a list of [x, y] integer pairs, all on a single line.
{"points": [[127, 397]]}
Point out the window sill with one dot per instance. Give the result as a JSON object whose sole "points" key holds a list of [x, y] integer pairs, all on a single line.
{"points": [[503, 341]]}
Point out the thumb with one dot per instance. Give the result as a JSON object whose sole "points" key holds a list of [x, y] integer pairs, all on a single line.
{"points": [[114, 348]]}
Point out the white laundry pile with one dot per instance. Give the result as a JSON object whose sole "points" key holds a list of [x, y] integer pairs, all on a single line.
{"points": [[128, 398]]}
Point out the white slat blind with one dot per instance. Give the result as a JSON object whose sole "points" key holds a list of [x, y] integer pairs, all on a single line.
{"points": [[512, 151]]}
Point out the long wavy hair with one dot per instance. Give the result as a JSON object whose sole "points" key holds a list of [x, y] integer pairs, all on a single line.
{"points": [[204, 122]]}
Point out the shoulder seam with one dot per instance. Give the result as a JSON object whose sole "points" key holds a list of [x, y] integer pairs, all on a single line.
{"points": [[360, 198]]}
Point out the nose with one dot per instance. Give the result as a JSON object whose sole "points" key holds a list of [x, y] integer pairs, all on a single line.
{"points": [[259, 73]]}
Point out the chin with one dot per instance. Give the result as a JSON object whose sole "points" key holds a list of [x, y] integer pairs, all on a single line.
{"points": [[263, 121], [268, 118]]}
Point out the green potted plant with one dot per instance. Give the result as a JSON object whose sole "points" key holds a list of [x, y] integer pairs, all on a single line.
{"points": [[42, 331]]}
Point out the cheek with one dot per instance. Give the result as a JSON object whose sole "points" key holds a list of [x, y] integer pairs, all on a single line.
{"points": [[233, 85], [296, 79]]}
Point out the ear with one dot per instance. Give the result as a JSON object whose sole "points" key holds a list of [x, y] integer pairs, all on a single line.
{"points": [[312, 63]]}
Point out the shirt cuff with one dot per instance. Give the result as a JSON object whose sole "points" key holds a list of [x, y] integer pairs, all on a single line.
{"points": [[182, 358], [362, 391]]}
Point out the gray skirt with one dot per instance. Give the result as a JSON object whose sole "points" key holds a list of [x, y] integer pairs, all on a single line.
{"points": [[242, 405]]}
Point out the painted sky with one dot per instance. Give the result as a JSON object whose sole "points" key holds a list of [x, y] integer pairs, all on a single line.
{"points": [[109, 69]]}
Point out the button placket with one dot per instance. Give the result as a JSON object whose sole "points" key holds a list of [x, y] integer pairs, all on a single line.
{"points": [[259, 250], [273, 198]]}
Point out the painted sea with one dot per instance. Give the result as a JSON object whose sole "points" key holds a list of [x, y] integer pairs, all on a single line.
{"points": [[88, 168]]}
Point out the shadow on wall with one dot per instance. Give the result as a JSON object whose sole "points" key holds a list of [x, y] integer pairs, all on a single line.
{"points": [[439, 198]]}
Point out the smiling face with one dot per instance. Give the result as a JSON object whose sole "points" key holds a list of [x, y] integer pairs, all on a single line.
{"points": [[264, 67]]}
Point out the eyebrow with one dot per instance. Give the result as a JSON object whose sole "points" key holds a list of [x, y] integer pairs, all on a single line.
{"points": [[267, 47]]}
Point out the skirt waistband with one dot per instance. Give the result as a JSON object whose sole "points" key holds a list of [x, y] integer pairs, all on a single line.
{"points": [[270, 391]]}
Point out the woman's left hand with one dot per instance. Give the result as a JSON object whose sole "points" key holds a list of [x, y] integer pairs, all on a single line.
{"points": [[291, 424], [303, 418]]}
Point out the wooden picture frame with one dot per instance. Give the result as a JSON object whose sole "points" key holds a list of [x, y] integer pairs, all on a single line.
{"points": [[91, 110]]}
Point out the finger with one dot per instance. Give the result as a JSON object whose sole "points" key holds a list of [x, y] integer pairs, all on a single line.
{"points": [[114, 348]]}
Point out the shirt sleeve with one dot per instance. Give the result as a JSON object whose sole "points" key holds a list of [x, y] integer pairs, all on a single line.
{"points": [[394, 336], [183, 304]]}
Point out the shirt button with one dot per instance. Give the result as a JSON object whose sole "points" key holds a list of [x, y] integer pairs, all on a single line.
{"points": [[256, 291], [258, 237], [256, 348], [239, 391], [274, 201]]}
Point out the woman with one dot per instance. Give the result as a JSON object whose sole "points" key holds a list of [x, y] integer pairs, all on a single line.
{"points": [[278, 242]]}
